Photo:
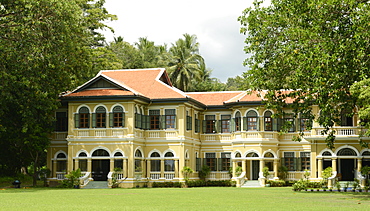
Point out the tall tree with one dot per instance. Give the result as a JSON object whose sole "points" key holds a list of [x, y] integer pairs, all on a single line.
{"points": [[314, 49], [186, 64], [46, 48]]}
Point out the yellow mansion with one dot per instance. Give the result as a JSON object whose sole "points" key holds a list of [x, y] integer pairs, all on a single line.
{"points": [[136, 121]]}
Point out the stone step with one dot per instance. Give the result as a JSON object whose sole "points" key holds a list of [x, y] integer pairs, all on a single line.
{"points": [[251, 184], [96, 185]]}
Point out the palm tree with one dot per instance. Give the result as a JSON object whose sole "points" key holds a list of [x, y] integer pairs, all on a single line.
{"points": [[186, 64]]}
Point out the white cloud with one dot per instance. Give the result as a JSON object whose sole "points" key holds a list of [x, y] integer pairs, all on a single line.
{"points": [[214, 22]]}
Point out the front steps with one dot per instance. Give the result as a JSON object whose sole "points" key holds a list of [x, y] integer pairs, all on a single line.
{"points": [[96, 185], [251, 184]]}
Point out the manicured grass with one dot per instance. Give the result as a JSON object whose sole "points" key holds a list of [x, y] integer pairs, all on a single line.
{"points": [[212, 198]]}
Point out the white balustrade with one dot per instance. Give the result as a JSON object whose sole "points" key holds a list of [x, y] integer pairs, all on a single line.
{"points": [[100, 133], [252, 135], [117, 133], [212, 176], [155, 176], [84, 180], [269, 135], [346, 132], [153, 134], [226, 137], [171, 134], [169, 176], [225, 176], [61, 135], [60, 175], [83, 133]]}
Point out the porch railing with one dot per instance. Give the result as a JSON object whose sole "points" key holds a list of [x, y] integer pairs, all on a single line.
{"points": [[169, 176], [84, 180], [155, 176], [61, 175]]}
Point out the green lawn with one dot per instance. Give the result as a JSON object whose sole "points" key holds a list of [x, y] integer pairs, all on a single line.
{"points": [[212, 198]]}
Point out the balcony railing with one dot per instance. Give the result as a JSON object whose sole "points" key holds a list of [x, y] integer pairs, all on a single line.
{"points": [[339, 131]]}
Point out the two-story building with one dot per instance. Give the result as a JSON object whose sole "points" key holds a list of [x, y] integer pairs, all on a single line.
{"points": [[137, 122]]}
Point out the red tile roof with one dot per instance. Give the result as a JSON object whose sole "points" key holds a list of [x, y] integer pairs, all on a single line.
{"points": [[146, 82], [100, 92], [213, 98]]}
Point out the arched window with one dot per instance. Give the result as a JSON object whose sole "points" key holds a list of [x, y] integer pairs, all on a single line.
{"points": [[118, 161], [268, 121], [82, 162], [252, 154], [326, 153], [99, 117], [169, 164], [82, 154], [252, 121], [155, 163], [100, 153], [82, 118], [138, 159], [269, 155], [118, 154], [117, 117], [346, 152], [366, 153], [61, 162], [238, 155], [238, 121]]}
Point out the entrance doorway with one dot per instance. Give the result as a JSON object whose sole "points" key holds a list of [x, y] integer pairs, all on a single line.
{"points": [[100, 169], [347, 167], [255, 169]]}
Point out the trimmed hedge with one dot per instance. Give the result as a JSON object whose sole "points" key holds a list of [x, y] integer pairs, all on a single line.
{"points": [[278, 183], [195, 183], [166, 184]]}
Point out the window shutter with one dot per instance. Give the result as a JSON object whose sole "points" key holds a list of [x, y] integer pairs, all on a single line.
{"points": [[245, 123], [258, 123], [197, 165], [77, 120], [204, 126], [232, 125], [282, 161], [279, 121], [218, 126], [274, 124], [174, 123], [147, 122], [295, 164], [219, 166], [162, 122], [123, 119], [111, 117], [94, 120], [299, 164]]}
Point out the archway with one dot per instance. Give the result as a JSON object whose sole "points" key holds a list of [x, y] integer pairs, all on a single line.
{"points": [[100, 165], [347, 163]]}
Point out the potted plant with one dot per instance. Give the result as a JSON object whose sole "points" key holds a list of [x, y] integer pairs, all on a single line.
{"points": [[74, 178], [355, 185], [346, 187], [337, 185]]}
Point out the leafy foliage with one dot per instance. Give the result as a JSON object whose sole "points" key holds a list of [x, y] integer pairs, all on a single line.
{"points": [[314, 49], [46, 48]]}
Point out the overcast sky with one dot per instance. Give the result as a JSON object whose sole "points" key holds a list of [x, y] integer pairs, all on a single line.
{"points": [[214, 22]]}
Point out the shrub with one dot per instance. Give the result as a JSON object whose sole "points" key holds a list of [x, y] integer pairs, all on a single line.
{"points": [[278, 183]]}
